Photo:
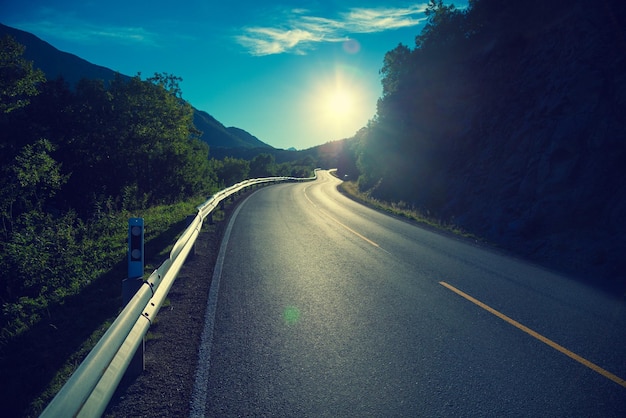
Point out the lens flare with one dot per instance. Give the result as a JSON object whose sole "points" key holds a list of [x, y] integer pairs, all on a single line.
{"points": [[291, 315], [352, 46]]}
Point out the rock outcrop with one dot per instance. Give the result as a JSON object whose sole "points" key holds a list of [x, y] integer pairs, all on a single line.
{"points": [[540, 167]]}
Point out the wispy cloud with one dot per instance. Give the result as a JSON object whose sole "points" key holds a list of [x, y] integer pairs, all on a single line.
{"points": [[267, 41], [378, 20], [302, 31], [69, 27]]}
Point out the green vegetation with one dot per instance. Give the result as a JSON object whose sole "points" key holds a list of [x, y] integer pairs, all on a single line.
{"points": [[430, 95], [501, 118], [401, 209], [401, 151], [231, 170], [75, 164], [49, 337], [18, 79]]}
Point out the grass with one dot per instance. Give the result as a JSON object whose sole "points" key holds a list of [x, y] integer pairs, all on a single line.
{"points": [[38, 361], [401, 209], [67, 369]]}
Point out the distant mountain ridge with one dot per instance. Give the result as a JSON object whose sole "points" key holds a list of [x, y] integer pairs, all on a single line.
{"points": [[55, 63], [217, 135]]}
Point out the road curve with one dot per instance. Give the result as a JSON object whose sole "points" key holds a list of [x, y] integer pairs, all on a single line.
{"points": [[328, 308]]}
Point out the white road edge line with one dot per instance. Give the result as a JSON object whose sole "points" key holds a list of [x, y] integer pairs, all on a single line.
{"points": [[323, 212], [200, 388]]}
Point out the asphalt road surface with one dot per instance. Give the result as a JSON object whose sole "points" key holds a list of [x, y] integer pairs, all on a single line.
{"points": [[327, 308]]}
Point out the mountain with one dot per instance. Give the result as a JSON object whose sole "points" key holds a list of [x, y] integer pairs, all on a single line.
{"points": [[219, 136], [246, 137], [55, 63]]}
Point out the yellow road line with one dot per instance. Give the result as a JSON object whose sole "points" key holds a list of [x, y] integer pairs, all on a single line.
{"points": [[540, 337]]}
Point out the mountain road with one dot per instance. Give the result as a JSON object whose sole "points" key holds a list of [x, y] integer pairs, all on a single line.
{"points": [[321, 306]]}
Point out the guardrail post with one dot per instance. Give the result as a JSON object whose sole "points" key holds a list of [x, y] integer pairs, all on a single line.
{"points": [[133, 283]]}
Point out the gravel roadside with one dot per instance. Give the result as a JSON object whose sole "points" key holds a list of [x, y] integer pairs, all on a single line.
{"points": [[164, 388]]}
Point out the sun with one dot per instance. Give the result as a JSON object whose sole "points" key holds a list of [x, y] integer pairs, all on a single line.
{"points": [[335, 101], [339, 103]]}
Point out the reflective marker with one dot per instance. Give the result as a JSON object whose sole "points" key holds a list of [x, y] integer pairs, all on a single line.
{"points": [[135, 247]]}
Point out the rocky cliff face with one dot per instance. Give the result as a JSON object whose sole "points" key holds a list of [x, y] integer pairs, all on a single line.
{"points": [[541, 165]]}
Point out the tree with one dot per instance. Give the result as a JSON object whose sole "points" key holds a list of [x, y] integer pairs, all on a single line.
{"points": [[18, 80], [29, 183], [135, 137], [395, 69], [230, 170], [262, 165], [156, 137], [443, 28]]}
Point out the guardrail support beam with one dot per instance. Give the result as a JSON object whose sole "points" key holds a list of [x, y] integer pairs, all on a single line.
{"points": [[136, 366], [189, 220]]}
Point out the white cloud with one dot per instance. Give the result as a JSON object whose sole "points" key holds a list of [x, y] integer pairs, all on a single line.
{"points": [[378, 20], [303, 31], [267, 41]]}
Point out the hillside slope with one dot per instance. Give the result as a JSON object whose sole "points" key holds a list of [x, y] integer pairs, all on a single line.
{"points": [[55, 63], [219, 136], [515, 132], [544, 169]]}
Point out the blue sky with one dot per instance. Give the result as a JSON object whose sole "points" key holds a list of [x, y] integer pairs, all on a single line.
{"points": [[294, 74]]}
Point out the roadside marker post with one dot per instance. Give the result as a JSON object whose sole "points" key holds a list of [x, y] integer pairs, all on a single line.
{"points": [[133, 283], [135, 248]]}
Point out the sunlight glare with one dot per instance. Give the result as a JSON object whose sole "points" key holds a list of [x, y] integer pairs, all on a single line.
{"points": [[335, 100], [337, 103]]}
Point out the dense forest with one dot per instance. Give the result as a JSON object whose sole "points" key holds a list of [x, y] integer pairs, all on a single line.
{"points": [[506, 119], [70, 158]]}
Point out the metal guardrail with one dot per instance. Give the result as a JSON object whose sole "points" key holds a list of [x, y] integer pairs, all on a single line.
{"points": [[90, 388]]}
